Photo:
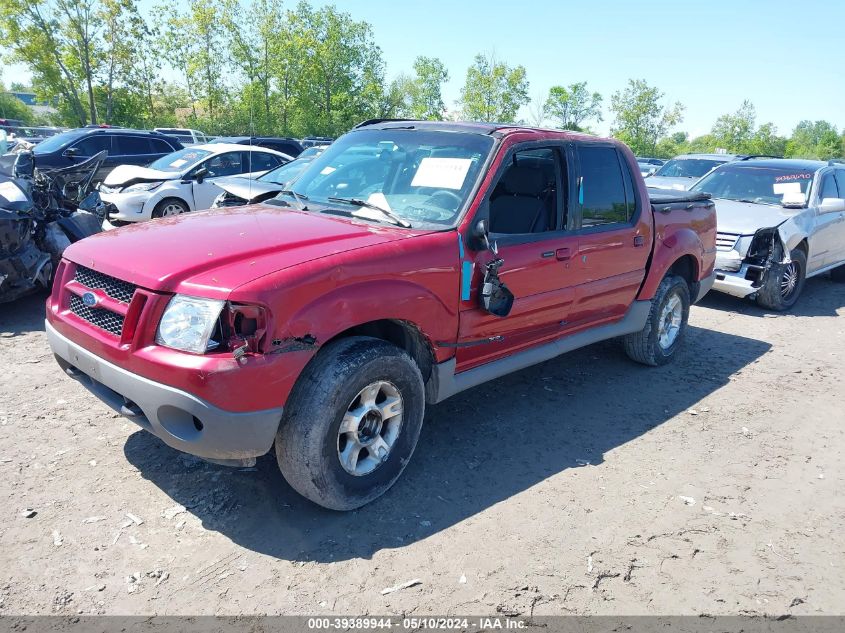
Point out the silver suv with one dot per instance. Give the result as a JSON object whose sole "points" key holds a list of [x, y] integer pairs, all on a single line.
{"points": [[779, 222]]}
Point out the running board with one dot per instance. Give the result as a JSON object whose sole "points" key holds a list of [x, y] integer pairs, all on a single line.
{"points": [[449, 383]]}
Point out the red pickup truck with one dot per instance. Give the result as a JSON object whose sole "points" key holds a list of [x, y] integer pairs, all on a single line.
{"points": [[410, 261]]}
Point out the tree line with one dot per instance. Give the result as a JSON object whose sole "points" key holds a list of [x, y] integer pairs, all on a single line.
{"points": [[233, 66]]}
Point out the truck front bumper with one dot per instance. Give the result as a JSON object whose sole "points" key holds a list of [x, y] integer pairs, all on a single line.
{"points": [[180, 419], [735, 283]]}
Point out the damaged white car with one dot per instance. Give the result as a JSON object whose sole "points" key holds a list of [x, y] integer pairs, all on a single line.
{"points": [[182, 181], [779, 222]]}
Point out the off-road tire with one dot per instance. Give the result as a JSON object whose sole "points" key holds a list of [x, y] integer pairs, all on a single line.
{"points": [[644, 346], [838, 274], [307, 439], [769, 296], [158, 212]]}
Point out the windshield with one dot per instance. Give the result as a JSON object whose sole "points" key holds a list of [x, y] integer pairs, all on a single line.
{"points": [[285, 173], [762, 185], [179, 161], [58, 141], [688, 167], [421, 177]]}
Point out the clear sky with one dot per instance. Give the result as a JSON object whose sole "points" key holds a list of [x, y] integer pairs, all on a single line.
{"points": [[787, 57]]}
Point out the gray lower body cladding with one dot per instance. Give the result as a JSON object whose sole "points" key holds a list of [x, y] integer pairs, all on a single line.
{"points": [[449, 383], [180, 419]]}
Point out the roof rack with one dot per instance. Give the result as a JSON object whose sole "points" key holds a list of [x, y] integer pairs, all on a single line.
{"points": [[752, 156], [375, 121]]}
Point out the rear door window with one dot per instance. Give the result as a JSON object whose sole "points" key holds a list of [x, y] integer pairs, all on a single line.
{"points": [[227, 164], [131, 145], [261, 161], [604, 196]]}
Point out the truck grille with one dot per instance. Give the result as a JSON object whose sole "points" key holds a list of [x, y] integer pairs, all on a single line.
{"points": [[104, 319], [115, 288], [726, 241]]}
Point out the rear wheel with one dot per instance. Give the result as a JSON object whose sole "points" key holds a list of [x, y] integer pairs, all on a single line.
{"points": [[665, 327], [168, 207], [783, 283], [351, 423]]}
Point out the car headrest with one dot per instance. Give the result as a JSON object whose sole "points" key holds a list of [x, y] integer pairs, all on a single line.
{"points": [[524, 181]]}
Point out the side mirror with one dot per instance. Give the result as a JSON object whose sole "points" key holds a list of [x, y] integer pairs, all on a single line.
{"points": [[832, 205], [200, 174], [70, 152], [479, 237]]}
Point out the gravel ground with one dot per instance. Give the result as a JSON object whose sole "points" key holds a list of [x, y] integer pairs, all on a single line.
{"points": [[586, 485]]}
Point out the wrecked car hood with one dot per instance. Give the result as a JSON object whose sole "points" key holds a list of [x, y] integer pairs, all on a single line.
{"points": [[665, 182], [124, 175], [248, 189], [213, 252], [745, 218]]}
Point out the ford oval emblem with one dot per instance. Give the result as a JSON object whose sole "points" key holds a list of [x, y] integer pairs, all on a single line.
{"points": [[89, 299]]}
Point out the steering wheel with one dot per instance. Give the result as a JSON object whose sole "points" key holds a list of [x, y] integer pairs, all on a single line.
{"points": [[448, 194]]}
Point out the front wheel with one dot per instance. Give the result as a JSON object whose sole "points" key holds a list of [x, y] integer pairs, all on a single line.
{"points": [[783, 283], [169, 207], [665, 327], [351, 423]]}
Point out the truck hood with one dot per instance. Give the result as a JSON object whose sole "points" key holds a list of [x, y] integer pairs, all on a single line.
{"points": [[248, 189], [665, 182], [211, 253], [745, 218], [125, 175]]}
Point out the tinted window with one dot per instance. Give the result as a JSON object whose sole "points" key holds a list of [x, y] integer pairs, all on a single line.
{"points": [[525, 198], [93, 144], [160, 146], [602, 187], [828, 189], [126, 145], [227, 164], [263, 162], [840, 180]]}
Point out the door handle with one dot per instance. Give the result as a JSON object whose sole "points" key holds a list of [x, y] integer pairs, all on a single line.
{"points": [[639, 240], [563, 254]]}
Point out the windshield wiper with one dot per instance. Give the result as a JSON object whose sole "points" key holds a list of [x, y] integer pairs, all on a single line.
{"points": [[299, 197], [363, 203]]}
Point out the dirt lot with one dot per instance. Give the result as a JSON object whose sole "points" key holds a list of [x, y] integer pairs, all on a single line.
{"points": [[587, 484]]}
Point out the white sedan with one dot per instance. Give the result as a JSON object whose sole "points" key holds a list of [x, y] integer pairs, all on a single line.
{"points": [[182, 181]]}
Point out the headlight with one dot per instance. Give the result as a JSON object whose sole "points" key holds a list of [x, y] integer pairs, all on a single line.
{"points": [[187, 323], [142, 186]]}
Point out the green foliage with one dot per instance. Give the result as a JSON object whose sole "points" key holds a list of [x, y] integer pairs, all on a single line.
{"points": [[572, 105], [13, 108], [640, 118], [425, 90], [493, 91], [262, 67], [815, 139]]}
